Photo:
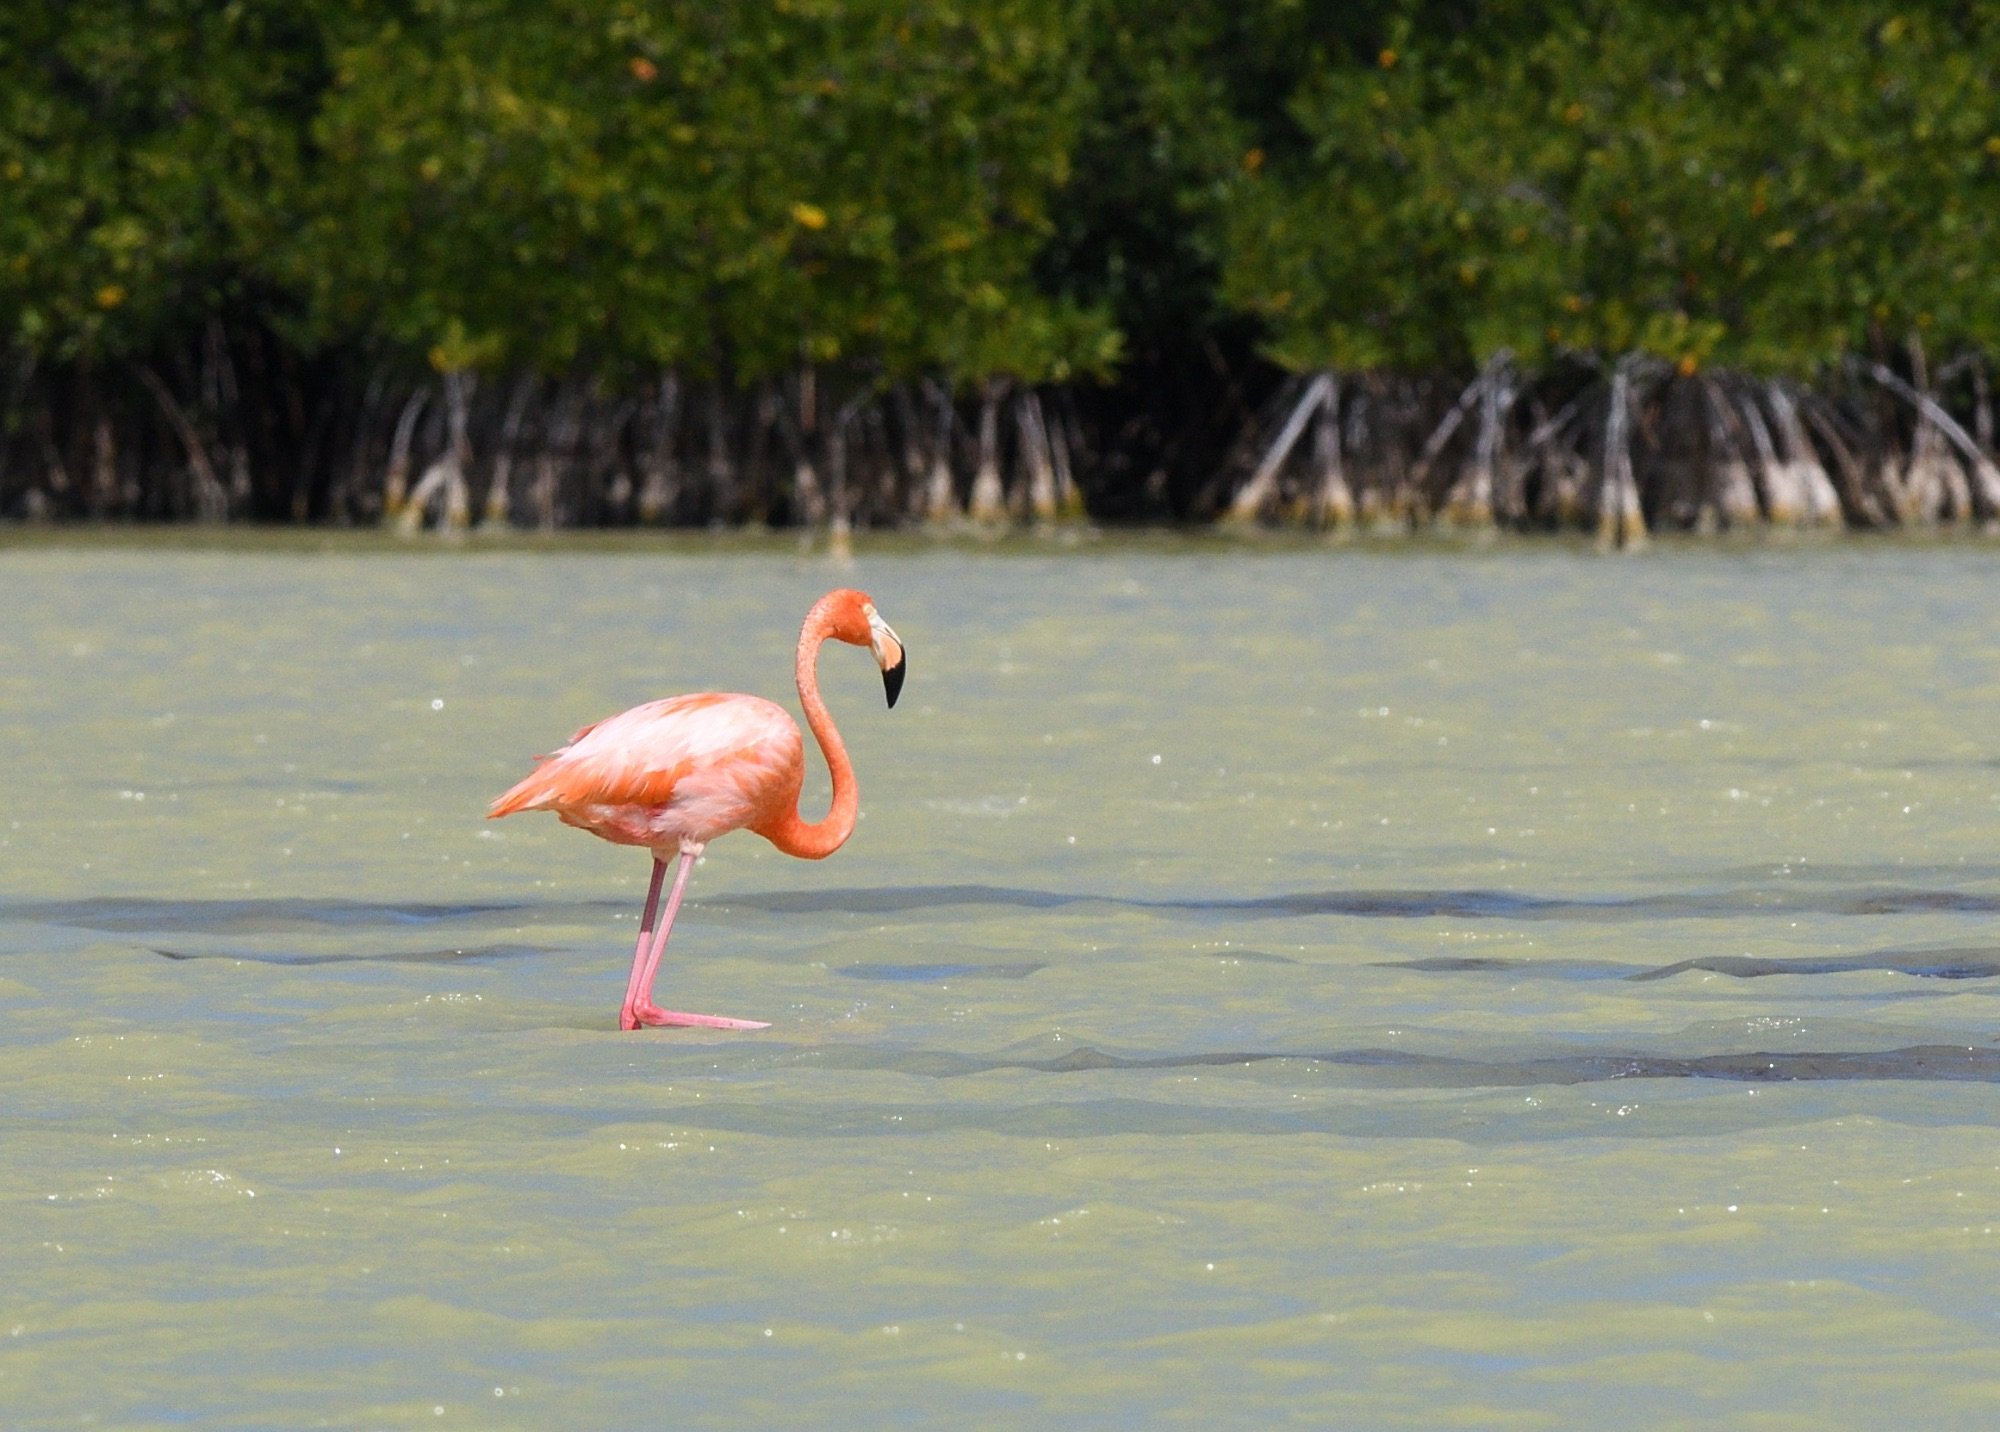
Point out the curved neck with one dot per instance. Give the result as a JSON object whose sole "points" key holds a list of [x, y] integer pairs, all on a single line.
{"points": [[789, 832]]}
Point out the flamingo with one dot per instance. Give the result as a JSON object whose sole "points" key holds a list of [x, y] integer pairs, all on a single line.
{"points": [[673, 775]]}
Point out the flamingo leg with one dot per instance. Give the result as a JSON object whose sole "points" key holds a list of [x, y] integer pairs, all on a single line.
{"points": [[639, 1007], [625, 1020]]}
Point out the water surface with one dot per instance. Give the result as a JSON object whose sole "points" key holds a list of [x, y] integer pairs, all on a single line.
{"points": [[1295, 987]]}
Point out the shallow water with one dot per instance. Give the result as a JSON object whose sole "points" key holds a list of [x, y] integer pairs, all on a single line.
{"points": [[1306, 987]]}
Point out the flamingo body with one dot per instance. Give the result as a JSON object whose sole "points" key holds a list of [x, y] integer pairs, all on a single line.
{"points": [[673, 775]]}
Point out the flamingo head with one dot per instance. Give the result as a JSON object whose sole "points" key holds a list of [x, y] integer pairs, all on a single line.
{"points": [[851, 617]]}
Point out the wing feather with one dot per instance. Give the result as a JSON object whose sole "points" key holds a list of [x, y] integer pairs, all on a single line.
{"points": [[638, 757]]}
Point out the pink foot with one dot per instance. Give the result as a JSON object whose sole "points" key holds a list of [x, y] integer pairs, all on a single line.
{"points": [[653, 1014]]}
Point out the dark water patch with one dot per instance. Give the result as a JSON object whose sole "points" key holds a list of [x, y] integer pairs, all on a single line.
{"points": [[471, 954], [1974, 963], [1260, 957], [1978, 963], [1875, 998], [1517, 969], [1942, 763], [907, 899], [1903, 902], [918, 974], [1389, 904], [124, 915], [121, 914], [1933, 1063], [900, 899], [1923, 1063], [1495, 904]]}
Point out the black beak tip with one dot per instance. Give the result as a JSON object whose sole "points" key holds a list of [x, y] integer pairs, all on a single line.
{"points": [[892, 679]]}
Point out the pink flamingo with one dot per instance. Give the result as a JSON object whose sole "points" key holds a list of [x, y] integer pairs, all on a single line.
{"points": [[673, 775]]}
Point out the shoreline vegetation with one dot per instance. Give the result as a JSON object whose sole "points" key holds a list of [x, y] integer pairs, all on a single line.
{"points": [[843, 265]]}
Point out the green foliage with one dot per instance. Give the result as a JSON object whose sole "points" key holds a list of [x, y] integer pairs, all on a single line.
{"points": [[1019, 188], [140, 147], [735, 188], [456, 188], [1885, 212], [1767, 187]]}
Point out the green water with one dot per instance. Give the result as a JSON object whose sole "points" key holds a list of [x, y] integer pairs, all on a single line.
{"points": [[1258, 994]]}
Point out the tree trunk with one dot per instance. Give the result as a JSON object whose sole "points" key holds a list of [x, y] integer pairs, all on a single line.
{"points": [[1820, 504], [1925, 479], [1470, 501], [443, 482], [500, 487], [1783, 504], [558, 452], [1034, 447], [396, 481], [887, 492], [718, 466], [1982, 406], [1256, 496], [1983, 494], [1858, 504], [989, 499], [609, 474], [228, 407], [1735, 495], [940, 496], [839, 526], [344, 499], [659, 483], [1069, 496], [914, 460], [1333, 500], [103, 466], [800, 426], [1564, 472], [1620, 520], [211, 498]]}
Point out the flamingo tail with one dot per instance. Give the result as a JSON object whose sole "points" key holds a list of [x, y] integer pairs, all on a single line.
{"points": [[527, 794]]}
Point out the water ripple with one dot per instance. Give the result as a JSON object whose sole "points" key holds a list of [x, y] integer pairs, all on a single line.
{"points": [[1392, 904], [129, 914], [452, 956], [1953, 1063], [1945, 963], [1941, 964]]}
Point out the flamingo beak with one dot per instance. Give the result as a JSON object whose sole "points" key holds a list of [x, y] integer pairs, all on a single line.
{"points": [[889, 655]]}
